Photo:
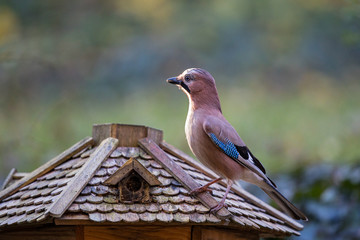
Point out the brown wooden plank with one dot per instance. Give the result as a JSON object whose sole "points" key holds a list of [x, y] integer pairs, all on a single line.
{"points": [[196, 233], [79, 232], [86, 172], [155, 134], [189, 160], [73, 219], [8, 178], [40, 233], [145, 174], [127, 135], [235, 188], [180, 175], [77, 147], [137, 232], [120, 174], [220, 233]]}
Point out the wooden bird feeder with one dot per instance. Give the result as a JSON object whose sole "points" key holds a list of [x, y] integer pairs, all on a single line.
{"points": [[125, 182]]}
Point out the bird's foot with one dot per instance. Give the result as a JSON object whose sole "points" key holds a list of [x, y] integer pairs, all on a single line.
{"points": [[218, 207], [200, 190]]}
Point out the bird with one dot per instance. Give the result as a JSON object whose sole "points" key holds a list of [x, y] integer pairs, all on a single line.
{"points": [[217, 145]]}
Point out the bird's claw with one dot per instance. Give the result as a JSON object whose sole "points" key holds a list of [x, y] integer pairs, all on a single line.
{"points": [[200, 190], [218, 207]]}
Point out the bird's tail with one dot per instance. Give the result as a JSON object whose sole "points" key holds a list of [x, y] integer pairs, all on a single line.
{"points": [[285, 204]]}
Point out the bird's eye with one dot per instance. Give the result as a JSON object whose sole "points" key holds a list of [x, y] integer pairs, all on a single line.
{"points": [[187, 78]]}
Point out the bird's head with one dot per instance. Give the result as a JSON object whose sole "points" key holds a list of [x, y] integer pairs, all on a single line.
{"points": [[199, 86], [193, 81]]}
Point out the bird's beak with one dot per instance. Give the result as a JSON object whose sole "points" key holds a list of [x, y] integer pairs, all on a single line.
{"points": [[181, 84], [173, 80]]}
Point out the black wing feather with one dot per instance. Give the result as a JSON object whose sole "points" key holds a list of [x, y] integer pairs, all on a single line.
{"points": [[245, 152]]}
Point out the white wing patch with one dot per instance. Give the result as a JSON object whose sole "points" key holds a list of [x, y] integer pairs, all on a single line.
{"points": [[250, 158]]}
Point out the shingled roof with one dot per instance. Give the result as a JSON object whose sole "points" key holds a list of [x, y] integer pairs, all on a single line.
{"points": [[72, 188]]}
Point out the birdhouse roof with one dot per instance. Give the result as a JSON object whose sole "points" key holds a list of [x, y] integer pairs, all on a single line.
{"points": [[71, 188]]}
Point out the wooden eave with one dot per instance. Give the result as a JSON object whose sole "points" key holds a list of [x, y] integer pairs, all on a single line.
{"points": [[48, 166]]}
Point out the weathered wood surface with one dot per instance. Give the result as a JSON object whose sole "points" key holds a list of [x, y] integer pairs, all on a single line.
{"points": [[19, 175], [83, 177], [40, 233], [180, 175], [79, 232], [73, 219], [8, 178], [237, 189], [132, 164], [120, 174], [137, 232], [127, 135], [189, 160], [47, 167], [214, 233]]}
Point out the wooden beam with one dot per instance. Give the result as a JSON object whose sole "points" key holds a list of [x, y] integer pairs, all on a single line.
{"points": [[219, 233], [73, 219], [132, 165], [77, 147], [79, 232], [40, 233], [19, 175], [180, 175], [8, 178], [137, 232], [189, 160], [121, 173], [81, 179], [237, 189]]}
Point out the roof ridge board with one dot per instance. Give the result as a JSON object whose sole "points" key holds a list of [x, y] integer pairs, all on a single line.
{"points": [[48, 166], [189, 160], [236, 188], [180, 175], [81, 179], [8, 178]]}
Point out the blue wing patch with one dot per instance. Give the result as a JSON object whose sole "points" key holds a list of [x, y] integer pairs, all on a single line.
{"points": [[228, 147]]}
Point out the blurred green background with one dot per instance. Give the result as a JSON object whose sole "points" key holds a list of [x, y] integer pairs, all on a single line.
{"points": [[287, 74]]}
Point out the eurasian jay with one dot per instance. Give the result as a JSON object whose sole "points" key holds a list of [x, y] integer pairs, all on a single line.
{"points": [[216, 143]]}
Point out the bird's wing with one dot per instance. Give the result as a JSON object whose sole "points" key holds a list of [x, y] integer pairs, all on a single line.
{"points": [[224, 136], [245, 153]]}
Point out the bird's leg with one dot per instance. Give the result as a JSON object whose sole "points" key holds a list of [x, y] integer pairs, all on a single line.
{"points": [[222, 204], [205, 187]]}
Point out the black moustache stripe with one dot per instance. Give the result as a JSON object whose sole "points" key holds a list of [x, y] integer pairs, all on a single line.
{"points": [[184, 86]]}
